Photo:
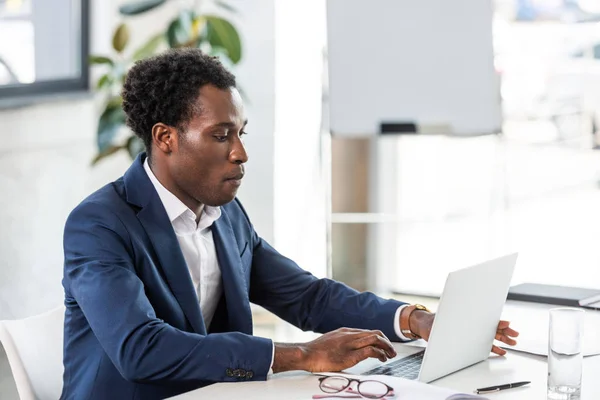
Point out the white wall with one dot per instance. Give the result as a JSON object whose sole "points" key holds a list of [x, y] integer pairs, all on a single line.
{"points": [[46, 149], [300, 201], [256, 76], [45, 171]]}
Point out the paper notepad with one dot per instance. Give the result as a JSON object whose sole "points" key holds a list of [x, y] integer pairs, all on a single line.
{"points": [[417, 390]]}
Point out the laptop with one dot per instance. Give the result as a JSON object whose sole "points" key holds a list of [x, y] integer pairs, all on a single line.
{"points": [[464, 328]]}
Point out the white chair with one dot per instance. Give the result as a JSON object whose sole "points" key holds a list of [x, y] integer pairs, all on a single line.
{"points": [[34, 347]]}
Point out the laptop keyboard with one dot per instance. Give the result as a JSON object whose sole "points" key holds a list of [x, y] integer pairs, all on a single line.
{"points": [[407, 367]]}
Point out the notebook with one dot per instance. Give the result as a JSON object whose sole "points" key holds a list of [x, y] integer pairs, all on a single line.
{"points": [[414, 390], [552, 294]]}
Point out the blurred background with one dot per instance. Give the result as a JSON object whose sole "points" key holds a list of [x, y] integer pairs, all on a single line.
{"points": [[391, 213]]}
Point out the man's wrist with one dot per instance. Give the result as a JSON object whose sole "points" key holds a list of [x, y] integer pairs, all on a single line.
{"points": [[289, 357], [416, 321], [411, 320]]}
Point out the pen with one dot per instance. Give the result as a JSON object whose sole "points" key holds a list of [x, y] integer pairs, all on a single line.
{"points": [[500, 387]]}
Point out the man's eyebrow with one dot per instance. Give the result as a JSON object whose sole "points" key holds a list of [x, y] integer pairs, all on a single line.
{"points": [[227, 124]]}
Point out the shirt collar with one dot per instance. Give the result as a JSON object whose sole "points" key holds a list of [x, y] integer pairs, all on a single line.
{"points": [[175, 207]]}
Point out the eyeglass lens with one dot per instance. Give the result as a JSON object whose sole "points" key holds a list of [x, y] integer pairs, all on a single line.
{"points": [[372, 389], [334, 384]]}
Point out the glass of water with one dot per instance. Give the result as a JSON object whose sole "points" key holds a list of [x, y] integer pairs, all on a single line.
{"points": [[565, 353]]}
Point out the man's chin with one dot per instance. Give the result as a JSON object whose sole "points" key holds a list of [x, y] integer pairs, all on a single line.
{"points": [[223, 200]]}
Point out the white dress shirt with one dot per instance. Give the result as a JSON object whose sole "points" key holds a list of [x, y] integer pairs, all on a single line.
{"points": [[197, 245], [198, 248]]}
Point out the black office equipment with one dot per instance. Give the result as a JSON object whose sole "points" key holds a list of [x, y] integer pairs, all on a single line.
{"points": [[397, 128], [553, 294]]}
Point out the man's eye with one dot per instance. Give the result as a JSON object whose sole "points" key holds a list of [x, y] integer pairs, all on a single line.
{"points": [[221, 138], [242, 133]]}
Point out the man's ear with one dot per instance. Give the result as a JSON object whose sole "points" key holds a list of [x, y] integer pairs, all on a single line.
{"points": [[164, 137]]}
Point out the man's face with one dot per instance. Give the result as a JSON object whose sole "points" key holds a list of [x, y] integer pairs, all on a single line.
{"points": [[208, 163]]}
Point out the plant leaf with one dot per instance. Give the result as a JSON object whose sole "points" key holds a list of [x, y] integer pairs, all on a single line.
{"points": [[175, 34], [198, 26], [222, 33], [226, 6], [111, 120], [135, 146], [105, 81], [149, 48], [107, 152], [101, 60], [140, 7], [180, 31], [186, 18], [120, 38]]}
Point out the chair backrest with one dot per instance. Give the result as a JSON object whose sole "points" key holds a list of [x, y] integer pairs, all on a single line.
{"points": [[34, 348]]}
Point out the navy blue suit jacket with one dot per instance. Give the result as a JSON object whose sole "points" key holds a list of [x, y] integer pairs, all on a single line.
{"points": [[133, 325]]}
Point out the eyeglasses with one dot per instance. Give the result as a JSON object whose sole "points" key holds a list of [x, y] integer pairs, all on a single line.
{"points": [[366, 389]]}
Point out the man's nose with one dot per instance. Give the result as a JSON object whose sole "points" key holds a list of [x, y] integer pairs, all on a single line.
{"points": [[238, 154]]}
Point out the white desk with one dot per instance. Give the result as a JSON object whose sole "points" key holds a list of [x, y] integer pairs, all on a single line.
{"points": [[513, 367]]}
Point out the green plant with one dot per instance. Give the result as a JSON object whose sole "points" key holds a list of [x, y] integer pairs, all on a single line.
{"points": [[214, 34]]}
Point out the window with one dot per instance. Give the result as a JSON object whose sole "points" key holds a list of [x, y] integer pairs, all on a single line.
{"points": [[43, 48]]}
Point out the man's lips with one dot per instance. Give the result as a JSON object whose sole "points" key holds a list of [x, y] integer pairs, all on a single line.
{"points": [[237, 177]]}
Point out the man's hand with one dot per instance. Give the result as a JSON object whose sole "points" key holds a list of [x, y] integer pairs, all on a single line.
{"points": [[421, 322], [505, 334], [333, 351]]}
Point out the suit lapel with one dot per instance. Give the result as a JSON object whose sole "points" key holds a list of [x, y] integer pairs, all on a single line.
{"points": [[234, 284], [155, 221]]}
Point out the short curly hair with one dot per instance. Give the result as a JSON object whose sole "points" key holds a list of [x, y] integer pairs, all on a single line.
{"points": [[164, 88]]}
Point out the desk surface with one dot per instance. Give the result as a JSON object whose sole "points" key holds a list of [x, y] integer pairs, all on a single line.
{"points": [[512, 368], [530, 319]]}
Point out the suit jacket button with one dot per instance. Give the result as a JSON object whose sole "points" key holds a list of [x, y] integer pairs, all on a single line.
{"points": [[249, 375], [229, 372], [236, 373]]}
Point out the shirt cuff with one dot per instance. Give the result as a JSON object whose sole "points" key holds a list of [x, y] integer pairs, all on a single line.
{"points": [[397, 324], [272, 361]]}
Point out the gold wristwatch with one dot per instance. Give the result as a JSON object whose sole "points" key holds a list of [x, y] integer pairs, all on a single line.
{"points": [[405, 319]]}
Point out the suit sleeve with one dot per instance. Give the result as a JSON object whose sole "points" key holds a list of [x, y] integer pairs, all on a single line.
{"points": [[320, 305], [100, 276]]}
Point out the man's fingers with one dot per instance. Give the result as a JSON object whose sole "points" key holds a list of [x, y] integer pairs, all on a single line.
{"points": [[378, 340], [510, 332], [371, 352], [498, 350], [357, 333], [362, 340], [503, 325], [505, 339]]}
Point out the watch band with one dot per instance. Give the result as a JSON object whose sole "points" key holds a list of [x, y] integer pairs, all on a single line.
{"points": [[405, 320]]}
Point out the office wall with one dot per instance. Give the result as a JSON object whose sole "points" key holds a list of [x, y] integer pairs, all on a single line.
{"points": [[46, 149], [300, 155]]}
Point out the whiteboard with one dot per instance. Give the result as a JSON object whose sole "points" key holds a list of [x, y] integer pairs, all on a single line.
{"points": [[427, 62]]}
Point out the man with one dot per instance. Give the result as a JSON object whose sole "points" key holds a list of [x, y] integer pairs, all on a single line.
{"points": [[161, 265]]}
